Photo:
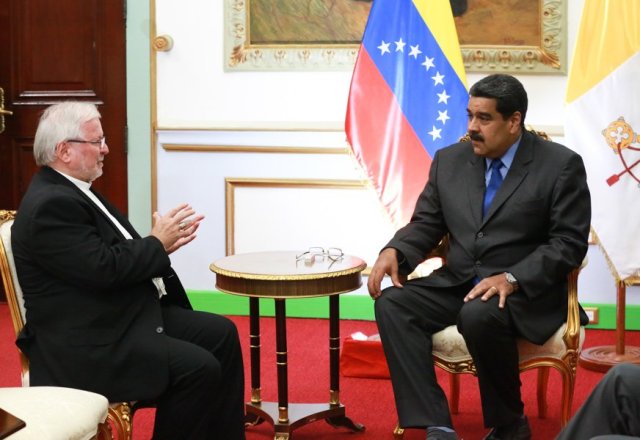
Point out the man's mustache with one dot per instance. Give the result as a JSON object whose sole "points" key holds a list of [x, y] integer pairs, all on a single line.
{"points": [[475, 136]]}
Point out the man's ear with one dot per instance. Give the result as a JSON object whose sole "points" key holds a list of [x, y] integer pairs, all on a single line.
{"points": [[63, 152], [516, 120]]}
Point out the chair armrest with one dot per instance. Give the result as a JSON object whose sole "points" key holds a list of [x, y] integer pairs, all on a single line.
{"points": [[571, 335]]}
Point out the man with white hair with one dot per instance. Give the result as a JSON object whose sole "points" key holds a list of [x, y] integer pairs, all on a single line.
{"points": [[105, 310]]}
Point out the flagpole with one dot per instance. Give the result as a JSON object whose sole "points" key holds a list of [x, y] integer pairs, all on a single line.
{"points": [[602, 358]]}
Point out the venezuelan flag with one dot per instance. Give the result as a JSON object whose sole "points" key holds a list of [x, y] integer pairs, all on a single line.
{"points": [[602, 125], [408, 98]]}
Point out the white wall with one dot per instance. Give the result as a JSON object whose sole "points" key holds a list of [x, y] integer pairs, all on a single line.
{"points": [[314, 199]]}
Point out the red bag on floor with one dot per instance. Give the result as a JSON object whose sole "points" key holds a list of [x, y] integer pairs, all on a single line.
{"points": [[363, 359]]}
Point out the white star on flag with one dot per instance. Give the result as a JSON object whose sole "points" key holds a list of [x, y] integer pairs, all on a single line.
{"points": [[384, 48], [443, 97], [435, 133], [428, 63], [443, 117], [438, 79], [395, 111], [415, 51]]}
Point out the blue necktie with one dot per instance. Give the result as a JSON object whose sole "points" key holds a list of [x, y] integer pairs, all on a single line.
{"points": [[495, 180]]}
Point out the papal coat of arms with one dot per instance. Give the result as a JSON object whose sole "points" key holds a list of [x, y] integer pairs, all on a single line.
{"points": [[624, 142]]}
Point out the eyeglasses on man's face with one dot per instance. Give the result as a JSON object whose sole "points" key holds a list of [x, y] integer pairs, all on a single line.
{"points": [[99, 143], [332, 253]]}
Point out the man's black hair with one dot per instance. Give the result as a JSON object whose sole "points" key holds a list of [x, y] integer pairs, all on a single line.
{"points": [[508, 92]]}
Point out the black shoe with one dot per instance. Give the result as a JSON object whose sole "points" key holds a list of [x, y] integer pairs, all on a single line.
{"points": [[518, 430], [438, 434]]}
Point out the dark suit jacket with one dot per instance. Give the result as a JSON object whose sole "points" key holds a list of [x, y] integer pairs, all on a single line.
{"points": [[93, 314], [537, 227]]}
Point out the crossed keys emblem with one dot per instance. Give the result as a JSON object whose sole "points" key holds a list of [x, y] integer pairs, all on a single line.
{"points": [[620, 137]]}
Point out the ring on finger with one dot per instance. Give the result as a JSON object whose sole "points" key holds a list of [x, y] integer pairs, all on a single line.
{"points": [[182, 225]]}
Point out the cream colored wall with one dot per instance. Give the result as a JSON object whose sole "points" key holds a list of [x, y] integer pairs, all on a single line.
{"points": [[289, 125], [195, 91]]}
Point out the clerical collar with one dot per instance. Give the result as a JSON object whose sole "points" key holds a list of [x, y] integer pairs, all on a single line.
{"points": [[85, 186]]}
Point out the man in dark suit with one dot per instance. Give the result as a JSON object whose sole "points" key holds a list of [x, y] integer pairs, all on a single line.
{"points": [[105, 310], [506, 267], [612, 410]]}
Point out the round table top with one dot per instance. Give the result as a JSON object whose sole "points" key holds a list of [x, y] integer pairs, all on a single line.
{"points": [[280, 274]]}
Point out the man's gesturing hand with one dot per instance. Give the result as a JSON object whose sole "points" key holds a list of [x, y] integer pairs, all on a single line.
{"points": [[177, 227]]}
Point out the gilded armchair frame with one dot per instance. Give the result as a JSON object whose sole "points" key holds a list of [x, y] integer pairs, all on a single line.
{"points": [[119, 418], [566, 363]]}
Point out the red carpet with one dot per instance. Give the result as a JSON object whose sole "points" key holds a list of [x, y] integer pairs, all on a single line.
{"points": [[367, 401]]}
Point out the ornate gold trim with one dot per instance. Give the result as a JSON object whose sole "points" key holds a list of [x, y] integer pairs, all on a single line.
{"points": [[253, 149], [231, 183], [3, 111], [153, 67], [277, 296], [549, 56], [162, 43], [302, 277], [292, 126], [334, 397], [283, 414], [120, 417], [12, 296]]}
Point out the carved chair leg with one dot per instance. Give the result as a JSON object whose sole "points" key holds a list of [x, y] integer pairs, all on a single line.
{"points": [[543, 380], [120, 417], [568, 386], [104, 431], [454, 391]]}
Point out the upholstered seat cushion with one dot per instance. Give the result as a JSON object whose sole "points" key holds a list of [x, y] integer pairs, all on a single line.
{"points": [[54, 413], [449, 346]]}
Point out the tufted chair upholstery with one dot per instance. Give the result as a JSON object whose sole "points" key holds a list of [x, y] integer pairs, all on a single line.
{"points": [[561, 352], [119, 413], [52, 413]]}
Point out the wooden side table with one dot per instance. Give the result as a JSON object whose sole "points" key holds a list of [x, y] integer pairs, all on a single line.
{"points": [[280, 276]]}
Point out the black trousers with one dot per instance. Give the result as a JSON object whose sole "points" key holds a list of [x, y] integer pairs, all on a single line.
{"points": [[612, 410], [407, 318], [205, 398]]}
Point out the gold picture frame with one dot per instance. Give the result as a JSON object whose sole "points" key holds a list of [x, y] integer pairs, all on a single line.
{"points": [[532, 40]]}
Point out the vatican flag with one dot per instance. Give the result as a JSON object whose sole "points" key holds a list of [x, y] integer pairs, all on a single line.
{"points": [[603, 120]]}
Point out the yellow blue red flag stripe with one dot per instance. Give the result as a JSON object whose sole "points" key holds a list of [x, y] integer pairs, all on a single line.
{"points": [[408, 97]]}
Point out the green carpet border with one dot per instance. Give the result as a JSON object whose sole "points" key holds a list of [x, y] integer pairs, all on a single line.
{"points": [[359, 307]]}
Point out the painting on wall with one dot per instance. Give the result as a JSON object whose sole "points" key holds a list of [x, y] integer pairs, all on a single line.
{"points": [[495, 35]]}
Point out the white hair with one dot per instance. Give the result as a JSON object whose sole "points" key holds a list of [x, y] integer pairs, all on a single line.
{"points": [[58, 123]]}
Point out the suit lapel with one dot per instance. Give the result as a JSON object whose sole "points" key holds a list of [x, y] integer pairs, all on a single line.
{"points": [[116, 214], [59, 179], [474, 182], [516, 174]]}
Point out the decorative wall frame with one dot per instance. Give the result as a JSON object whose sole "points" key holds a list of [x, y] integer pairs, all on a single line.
{"points": [[533, 39], [289, 211]]}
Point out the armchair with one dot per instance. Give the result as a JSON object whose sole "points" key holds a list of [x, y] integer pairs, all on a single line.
{"points": [[561, 352], [119, 413]]}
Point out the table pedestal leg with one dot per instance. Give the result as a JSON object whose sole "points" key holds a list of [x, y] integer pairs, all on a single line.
{"points": [[334, 368], [281, 361], [286, 416], [254, 349]]}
